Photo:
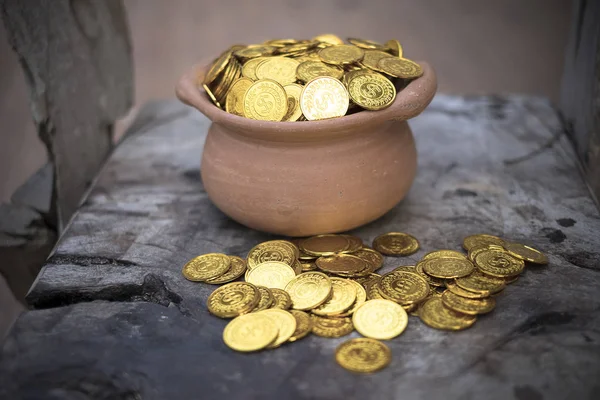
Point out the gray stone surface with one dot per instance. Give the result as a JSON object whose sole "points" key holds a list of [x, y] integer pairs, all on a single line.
{"points": [[115, 319]]}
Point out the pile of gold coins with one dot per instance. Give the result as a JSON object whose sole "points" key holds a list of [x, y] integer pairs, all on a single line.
{"points": [[327, 285], [298, 80]]}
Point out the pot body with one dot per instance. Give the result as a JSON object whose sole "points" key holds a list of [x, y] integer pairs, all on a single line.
{"points": [[309, 187]]}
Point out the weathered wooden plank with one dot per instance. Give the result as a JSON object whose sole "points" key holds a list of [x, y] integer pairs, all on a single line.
{"points": [[487, 164], [76, 56]]}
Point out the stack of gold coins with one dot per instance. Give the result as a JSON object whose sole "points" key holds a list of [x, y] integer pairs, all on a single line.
{"points": [[298, 80], [327, 285]]}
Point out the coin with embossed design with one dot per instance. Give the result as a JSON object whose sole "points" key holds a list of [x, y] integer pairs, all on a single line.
{"points": [[233, 299], [206, 266], [250, 332], [434, 314], [309, 290], [499, 263], [274, 250], [343, 295], [396, 244], [403, 287], [282, 299], [447, 267], [363, 355], [237, 269], [371, 91], [468, 306], [324, 97], [331, 327], [265, 100], [303, 325], [380, 319], [525, 253], [271, 274], [341, 55]]}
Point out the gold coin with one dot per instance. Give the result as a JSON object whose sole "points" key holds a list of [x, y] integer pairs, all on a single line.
{"points": [[249, 68], [499, 264], [308, 266], [271, 274], [273, 250], [403, 287], [343, 264], [309, 290], [206, 266], [341, 54], [286, 323], [331, 327], [266, 299], [279, 69], [437, 282], [406, 268], [363, 355], [400, 67], [250, 332], [363, 280], [447, 267], [293, 92], [374, 258], [525, 253], [473, 251], [394, 47], [282, 299], [434, 314], [480, 240], [311, 69], [373, 290], [361, 297], [371, 91], [329, 38], [354, 244], [444, 253], [480, 283], [372, 57], [343, 295], [457, 290], [324, 245], [303, 325], [255, 51], [234, 104], [237, 269], [265, 100], [233, 299], [324, 97], [396, 244], [217, 67], [211, 96], [511, 279], [281, 42], [366, 44], [380, 319], [468, 306]]}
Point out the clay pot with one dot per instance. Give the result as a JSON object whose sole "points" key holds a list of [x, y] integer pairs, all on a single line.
{"points": [[311, 177]]}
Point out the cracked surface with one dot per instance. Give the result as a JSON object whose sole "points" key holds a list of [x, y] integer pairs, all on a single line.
{"points": [[114, 317]]}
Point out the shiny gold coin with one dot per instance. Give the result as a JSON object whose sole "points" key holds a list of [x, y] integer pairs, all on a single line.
{"points": [[331, 327], [211, 96], [279, 69], [361, 297], [434, 314], [324, 245], [373, 290], [309, 70], [343, 264], [282, 299], [341, 54], [437, 282], [342, 297], [303, 325], [293, 92], [499, 264], [271, 274], [297, 267], [394, 47], [324, 97], [364, 280], [480, 240], [251, 332], [233, 299], [237, 269], [234, 104], [266, 299], [363, 355], [372, 57], [206, 266], [308, 266], [473, 251], [403, 287], [217, 67], [255, 51], [447, 267], [354, 244], [480, 283], [273, 250], [309, 290], [444, 253], [366, 44], [265, 100], [525, 253], [400, 67], [329, 38], [468, 306], [380, 319], [396, 244], [286, 323], [374, 258], [249, 68], [371, 91], [457, 290]]}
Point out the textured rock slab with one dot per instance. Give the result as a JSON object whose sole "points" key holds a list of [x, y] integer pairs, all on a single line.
{"points": [[487, 164]]}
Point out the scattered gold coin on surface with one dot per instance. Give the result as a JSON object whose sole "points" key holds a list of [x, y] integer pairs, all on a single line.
{"points": [[363, 355]]}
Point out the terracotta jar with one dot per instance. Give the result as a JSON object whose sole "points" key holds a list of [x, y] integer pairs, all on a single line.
{"points": [[310, 177]]}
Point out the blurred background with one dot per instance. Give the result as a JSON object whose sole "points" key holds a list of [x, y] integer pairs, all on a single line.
{"points": [[477, 47]]}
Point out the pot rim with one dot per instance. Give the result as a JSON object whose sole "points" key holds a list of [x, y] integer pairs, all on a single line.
{"points": [[409, 102]]}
